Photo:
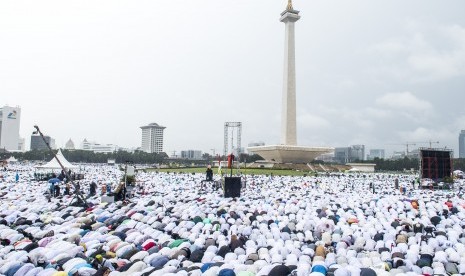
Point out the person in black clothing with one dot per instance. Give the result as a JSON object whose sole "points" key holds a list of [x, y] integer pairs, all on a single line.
{"points": [[209, 173], [67, 190], [77, 187], [93, 189], [57, 190], [62, 175], [120, 192]]}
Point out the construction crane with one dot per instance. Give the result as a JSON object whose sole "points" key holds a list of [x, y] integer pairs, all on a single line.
{"points": [[429, 142], [406, 144]]}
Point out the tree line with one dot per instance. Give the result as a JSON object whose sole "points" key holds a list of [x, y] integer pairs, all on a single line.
{"points": [[141, 157], [409, 163], [137, 157], [86, 156]]}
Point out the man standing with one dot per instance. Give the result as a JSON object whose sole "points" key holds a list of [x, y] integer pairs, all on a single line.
{"points": [[57, 190], [67, 189], [209, 173], [51, 187], [93, 188]]}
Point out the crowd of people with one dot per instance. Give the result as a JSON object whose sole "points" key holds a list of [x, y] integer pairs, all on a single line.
{"points": [[339, 224]]}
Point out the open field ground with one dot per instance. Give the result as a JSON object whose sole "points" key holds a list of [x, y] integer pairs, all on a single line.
{"points": [[247, 171]]}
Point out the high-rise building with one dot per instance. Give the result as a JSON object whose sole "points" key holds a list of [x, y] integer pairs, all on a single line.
{"points": [[9, 127], [37, 143], [152, 138], [191, 154], [342, 155], [349, 154], [376, 153], [357, 152], [462, 144]]}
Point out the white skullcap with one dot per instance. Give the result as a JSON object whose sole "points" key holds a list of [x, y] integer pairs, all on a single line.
{"points": [[342, 272]]}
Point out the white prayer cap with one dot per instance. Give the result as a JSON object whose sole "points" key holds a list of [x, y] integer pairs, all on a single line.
{"points": [[342, 272], [239, 251], [217, 258], [276, 258], [229, 257], [291, 259]]}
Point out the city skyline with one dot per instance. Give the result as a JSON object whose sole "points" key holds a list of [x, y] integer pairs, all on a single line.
{"points": [[368, 73]]}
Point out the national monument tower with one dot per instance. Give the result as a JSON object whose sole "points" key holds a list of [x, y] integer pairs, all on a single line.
{"points": [[288, 151]]}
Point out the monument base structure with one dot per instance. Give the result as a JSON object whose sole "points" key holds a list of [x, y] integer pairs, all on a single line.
{"points": [[289, 153]]}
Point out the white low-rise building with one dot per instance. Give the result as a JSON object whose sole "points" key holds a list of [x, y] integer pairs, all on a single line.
{"points": [[362, 167], [99, 148]]}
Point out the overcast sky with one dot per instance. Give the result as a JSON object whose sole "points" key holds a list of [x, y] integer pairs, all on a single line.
{"points": [[368, 72]]}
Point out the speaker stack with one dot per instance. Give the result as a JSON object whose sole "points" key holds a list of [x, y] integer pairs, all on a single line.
{"points": [[232, 187]]}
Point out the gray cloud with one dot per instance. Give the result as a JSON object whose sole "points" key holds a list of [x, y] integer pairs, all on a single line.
{"points": [[404, 101]]}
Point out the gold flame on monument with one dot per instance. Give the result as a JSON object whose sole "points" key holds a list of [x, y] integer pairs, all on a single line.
{"points": [[289, 5]]}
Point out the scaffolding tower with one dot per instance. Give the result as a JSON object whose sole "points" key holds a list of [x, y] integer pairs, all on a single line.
{"points": [[232, 126], [436, 164]]}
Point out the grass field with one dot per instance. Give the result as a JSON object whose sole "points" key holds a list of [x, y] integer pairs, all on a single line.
{"points": [[260, 171]]}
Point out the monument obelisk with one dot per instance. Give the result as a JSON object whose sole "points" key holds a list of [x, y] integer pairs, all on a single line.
{"points": [[288, 151], [288, 116]]}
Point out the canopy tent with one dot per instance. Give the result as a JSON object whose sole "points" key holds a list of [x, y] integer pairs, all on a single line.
{"points": [[53, 164], [11, 159], [353, 170]]}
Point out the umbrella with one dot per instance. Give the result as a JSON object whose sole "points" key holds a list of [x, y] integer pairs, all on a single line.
{"points": [[54, 180]]}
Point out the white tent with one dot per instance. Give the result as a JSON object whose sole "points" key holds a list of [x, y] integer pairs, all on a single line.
{"points": [[354, 170], [11, 159], [53, 164]]}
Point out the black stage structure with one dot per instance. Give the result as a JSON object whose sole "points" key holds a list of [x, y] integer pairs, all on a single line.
{"points": [[435, 164]]}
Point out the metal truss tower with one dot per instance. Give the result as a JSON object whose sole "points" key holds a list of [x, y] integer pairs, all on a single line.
{"points": [[232, 126]]}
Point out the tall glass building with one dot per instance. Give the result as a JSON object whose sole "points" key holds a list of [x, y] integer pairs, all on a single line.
{"points": [[462, 144]]}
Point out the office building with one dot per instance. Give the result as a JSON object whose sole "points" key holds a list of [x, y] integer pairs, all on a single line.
{"points": [[10, 118], [357, 152], [376, 153], [191, 154], [353, 153], [152, 138], [462, 144], [37, 143], [342, 155]]}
